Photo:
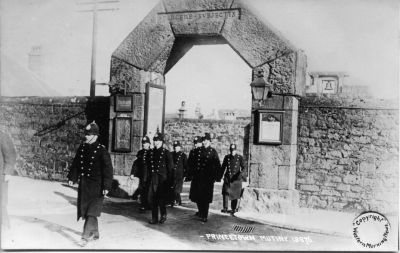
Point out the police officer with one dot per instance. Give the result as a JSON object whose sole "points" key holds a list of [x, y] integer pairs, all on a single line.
{"points": [[180, 170], [140, 170], [93, 170], [160, 175], [205, 177], [233, 173], [8, 158], [193, 167]]}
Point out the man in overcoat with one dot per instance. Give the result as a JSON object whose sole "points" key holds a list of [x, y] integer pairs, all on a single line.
{"points": [[140, 170], [207, 166], [160, 176], [180, 170], [233, 173], [93, 171], [8, 157], [193, 166]]}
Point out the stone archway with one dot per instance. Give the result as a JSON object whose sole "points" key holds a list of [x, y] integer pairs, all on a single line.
{"points": [[168, 32]]}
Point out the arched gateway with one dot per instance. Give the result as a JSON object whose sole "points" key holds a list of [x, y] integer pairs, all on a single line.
{"points": [[172, 27]]}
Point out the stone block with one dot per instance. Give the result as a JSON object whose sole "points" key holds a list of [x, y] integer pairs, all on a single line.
{"points": [[338, 205], [367, 166], [335, 179], [311, 187], [343, 187], [136, 144], [138, 99], [137, 128], [119, 167], [351, 195], [301, 69], [352, 179], [144, 44], [251, 39], [284, 177], [138, 113], [316, 202], [330, 192], [269, 201]]}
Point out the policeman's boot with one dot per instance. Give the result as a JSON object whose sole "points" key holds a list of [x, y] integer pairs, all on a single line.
{"points": [[153, 221], [179, 199], [225, 203], [163, 218]]}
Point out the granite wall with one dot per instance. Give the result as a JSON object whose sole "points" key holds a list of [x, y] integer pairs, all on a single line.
{"points": [[348, 154], [47, 131]]}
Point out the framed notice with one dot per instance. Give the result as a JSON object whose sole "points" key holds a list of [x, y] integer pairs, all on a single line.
{"points": [[123, 103], [268, 127], [154, 109], [122, 134]]}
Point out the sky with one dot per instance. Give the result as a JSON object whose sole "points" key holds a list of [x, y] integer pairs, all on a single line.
{"points": [[360, 37]]}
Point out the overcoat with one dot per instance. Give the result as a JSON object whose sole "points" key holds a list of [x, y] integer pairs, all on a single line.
{"points": [[141, 164], [205, 165], [8, 155], [233, 172], [8, 158], [179, 170], [160, 174], [93, 170]]}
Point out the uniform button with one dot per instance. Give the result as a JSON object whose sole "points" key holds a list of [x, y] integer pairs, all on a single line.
{"points": [[152, 170], [81, 155], [88, 175], [81, 161], [92, 157], [89, 169], [91, 163], [82, 168], [95, 151], [82, 174]]}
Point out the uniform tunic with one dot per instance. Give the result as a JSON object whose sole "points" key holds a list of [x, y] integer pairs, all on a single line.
{"points": [[205, 166], [233, 173], [140, 165], [180, 170], [93, 169], [160, 174]]}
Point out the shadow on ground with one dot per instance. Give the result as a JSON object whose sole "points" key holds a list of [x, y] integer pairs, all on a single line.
{"points": [[181, 224], [53, 227]]}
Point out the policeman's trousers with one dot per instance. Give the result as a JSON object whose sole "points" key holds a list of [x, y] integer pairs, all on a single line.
{"points": [[203, 208], [226, 200], [91, 228], [158, 202]]}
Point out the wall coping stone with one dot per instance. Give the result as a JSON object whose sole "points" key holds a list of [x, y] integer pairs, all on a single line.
{"points": [[209, 121], [349, 102], [64, 101]]}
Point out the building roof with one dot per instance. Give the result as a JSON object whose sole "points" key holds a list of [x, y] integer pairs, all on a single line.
{"points": [[17, 80]]}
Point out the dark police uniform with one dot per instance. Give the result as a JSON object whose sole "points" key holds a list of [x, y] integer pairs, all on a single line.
{"points": [[179, 172], [93, 170], [205, 174], [8, 158], [193, 166], [140, 170], [160, 175], [233, 173]]}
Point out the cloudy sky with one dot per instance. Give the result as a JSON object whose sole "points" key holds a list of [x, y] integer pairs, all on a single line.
{"points": [[360, 37]]}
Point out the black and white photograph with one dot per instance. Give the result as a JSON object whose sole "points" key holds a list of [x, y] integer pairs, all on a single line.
{"points": [[199, 125]]}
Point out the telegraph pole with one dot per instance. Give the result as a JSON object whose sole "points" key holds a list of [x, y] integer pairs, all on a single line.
{"points": [[95, 9]]}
